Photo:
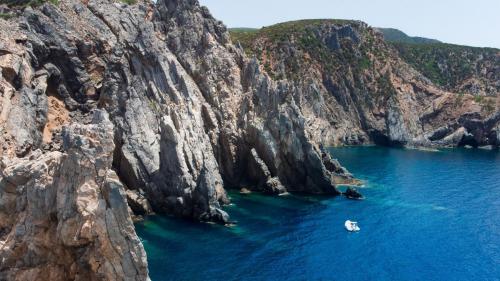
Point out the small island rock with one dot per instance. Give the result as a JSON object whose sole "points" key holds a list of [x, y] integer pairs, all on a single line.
{"points": [[353, 193]]}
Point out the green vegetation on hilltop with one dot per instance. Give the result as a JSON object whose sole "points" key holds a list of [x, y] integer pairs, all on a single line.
{"points": [[398, 36], [447, 65], [244, 36], [287, 50], [278, 32], [243, 29]]}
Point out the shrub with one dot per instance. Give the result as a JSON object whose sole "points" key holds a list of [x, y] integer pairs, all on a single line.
{"points": [[129, 2], [5, 16], [26, 3]]}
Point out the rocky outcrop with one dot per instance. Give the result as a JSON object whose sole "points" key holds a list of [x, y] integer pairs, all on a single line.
{"points": [[139, 204], [64, 215], [260, 175], [353, 193]]}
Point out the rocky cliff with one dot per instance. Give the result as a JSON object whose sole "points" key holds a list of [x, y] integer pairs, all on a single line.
{"points": [[356, 89], [189, 117], [111, 111]]}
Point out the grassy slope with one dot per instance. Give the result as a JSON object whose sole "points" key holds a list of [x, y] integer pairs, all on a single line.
{"points": [[278, 32], [457, 62], [300, 50], [265, 42], [445, 64], [398, 36], [244, 36]]}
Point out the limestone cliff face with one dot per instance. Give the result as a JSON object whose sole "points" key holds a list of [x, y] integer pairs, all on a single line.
{"points": [[355, 88], [191, 116]]}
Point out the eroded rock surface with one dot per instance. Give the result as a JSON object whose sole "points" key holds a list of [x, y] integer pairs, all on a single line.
{"points": [[188, 111], [64, 215]]}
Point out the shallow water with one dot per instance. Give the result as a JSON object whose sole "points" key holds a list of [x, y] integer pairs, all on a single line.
{"points": [[427, 216]]}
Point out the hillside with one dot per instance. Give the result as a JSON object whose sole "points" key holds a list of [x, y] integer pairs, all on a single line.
{"points": [[455, 68], [356, 82], [398, 36], [307, 36], [459, 69]]}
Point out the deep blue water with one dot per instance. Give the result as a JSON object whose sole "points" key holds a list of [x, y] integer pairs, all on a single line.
{"points": [[427, 216]]}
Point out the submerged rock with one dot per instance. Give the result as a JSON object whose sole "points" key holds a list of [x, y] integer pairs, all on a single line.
{"points": [[215, 215], [353, 193], [245, 191], [487, 147]]}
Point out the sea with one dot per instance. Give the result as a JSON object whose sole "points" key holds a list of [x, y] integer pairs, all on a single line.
{"points": [[428, 215]]}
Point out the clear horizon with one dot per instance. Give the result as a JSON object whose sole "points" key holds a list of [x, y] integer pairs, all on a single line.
{"points": [[456, 22]]}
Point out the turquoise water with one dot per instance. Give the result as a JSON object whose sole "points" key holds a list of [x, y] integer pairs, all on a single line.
{"points": [[427, 216]]}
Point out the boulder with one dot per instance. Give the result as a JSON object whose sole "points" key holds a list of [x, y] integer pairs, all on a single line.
{"points": [[138, 204], [215, 215], [244, 190], [353, 193], [274, 186]]}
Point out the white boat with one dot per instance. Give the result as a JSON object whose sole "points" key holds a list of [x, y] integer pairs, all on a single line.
{"points": [[351, 226]]}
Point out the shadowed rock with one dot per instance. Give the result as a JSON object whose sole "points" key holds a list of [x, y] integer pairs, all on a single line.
{"points": [[353, 193]]}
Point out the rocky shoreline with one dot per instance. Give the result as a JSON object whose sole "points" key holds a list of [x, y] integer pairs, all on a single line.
{"points": [[110, 112]]}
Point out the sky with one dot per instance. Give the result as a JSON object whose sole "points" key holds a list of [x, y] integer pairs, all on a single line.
{"points": [[464, 22]]}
